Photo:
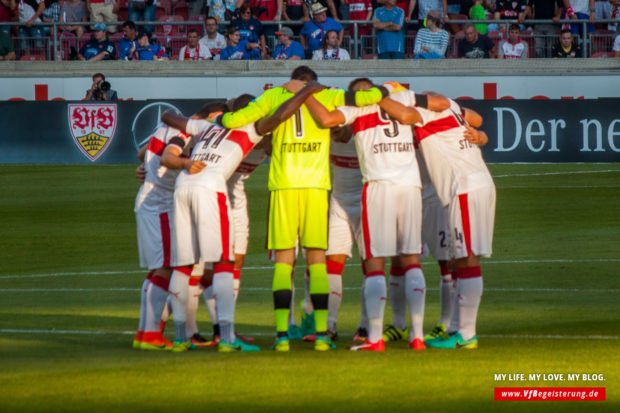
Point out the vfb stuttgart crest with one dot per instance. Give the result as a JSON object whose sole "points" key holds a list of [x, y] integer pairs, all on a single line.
{"points": [[93, 127]]}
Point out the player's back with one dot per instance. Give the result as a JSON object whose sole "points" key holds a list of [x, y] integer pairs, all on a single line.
{"points": [[346, 174], [454, 164], [221, 149]]}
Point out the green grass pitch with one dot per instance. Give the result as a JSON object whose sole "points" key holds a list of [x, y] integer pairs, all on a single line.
{"points": [[69, 302]]}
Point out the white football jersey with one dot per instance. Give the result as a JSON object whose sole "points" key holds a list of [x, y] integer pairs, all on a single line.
{"points": [[384, 146], [455, 166], [250, 163], [221, 149], [346, 175], [157, 191]]}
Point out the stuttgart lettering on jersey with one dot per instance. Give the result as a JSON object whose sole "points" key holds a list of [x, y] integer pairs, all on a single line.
{"points": [[393, 147], [207, 157], [297, 147]]}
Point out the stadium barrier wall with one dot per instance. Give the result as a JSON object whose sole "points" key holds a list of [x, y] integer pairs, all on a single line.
{"points": [[66, 132]]}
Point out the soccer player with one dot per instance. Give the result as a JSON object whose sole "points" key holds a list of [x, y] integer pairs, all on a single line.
{"points": [[391, 205], [449, 145], [201, 205], [299, 184]]}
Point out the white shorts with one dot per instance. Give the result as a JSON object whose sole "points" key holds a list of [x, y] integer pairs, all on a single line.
{"points": [[345, 227], [154, 239], [202, 226], [239, 212], [435, 229], [472, 217], [391, 219]]}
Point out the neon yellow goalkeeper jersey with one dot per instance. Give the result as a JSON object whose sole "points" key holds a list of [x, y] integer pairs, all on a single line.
{"points": [[300, 155]]}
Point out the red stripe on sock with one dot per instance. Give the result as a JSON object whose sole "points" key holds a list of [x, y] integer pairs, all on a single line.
{"points": [[412, 266], [222, 268], [164, 224], [186, 269], [375, 274], [193, 281], [237, 274], [469, 272], [224, 226], [150, 274], [396, 271], [160, 281], [365, 228], [334, 267], [465, 220]]}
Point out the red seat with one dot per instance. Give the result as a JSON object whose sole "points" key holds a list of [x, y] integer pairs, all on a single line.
{"points": [[181, 9], [32, 57], [603, 54], [198, 26], [170, 29]]}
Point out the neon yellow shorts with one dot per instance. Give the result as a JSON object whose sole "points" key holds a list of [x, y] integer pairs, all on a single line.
{"points": [[298, 212]]}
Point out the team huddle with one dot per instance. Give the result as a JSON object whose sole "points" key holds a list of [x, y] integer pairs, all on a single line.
{"points": [[406, 171]]}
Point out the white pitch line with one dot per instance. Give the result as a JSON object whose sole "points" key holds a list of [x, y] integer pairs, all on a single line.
{"points": [[262, 333], [270, 267], [255, 289], [558, 173]]}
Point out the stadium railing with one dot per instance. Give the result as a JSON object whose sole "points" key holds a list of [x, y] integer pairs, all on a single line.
{"points": [[171, 34]]}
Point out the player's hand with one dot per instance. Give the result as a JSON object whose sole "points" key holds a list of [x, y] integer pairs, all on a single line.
{"points": [[140, 173], [193, 167], [315, 86], [294, 85], [472, 135]]}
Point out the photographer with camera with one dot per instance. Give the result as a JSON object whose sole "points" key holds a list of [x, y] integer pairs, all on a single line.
{"points": [[101, 90]]}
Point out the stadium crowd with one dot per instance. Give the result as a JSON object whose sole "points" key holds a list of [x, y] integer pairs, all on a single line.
{"points": [[421, 29], [379, 166]]}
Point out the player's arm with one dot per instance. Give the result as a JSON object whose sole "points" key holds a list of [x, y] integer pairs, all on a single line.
{"points": [[472, 117], [324, 117], [406, 115], [434, 101], [171, 158], [255, 110], [475, 136], [288, 108], [176, 120], [142, 153]]}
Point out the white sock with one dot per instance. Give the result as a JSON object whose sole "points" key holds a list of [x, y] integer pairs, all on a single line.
{"points": [[167, 311], [398, 300], [223, 287], [415, 288], [375, 293], [179, 290], [156, 295], [446, 298], [334, 300], [195, 291], [364, 314], [145, 286], [455, 320], [236, 286], [207, 294], [469, 292]]}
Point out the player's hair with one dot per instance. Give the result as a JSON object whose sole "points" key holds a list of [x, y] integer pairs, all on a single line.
{"points": [[354, 82], [304, 73], [98, 75], [128, 25], [514, 26], [210, 108], [242, 101]]}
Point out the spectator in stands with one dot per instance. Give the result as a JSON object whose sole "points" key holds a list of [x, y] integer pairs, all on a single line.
{"points": [[580, 9], [424, 6], [388, 21], [6, 46], [74, 11], [142, 10], [478, 12], [432, 41], [360, 10], [475, 45], [508, 10], [266, 10], [8, 10], [30, 12], [614, 13], [329, 48], [250, 28], [616, 48], [213, 40], [287, 48], [544, 33], [128, 45], [312, 32], [514, 47], [99, 47], [237, 49], [566, 47], [100, 90], [295, 10], [223, 10], [147, 50], [193, 50], [51, 14], [103, 11]]}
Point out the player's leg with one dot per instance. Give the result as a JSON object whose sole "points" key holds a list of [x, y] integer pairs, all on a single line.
{"points": [[375, 295], [335, 266], [398, 302], [209, 298]]}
